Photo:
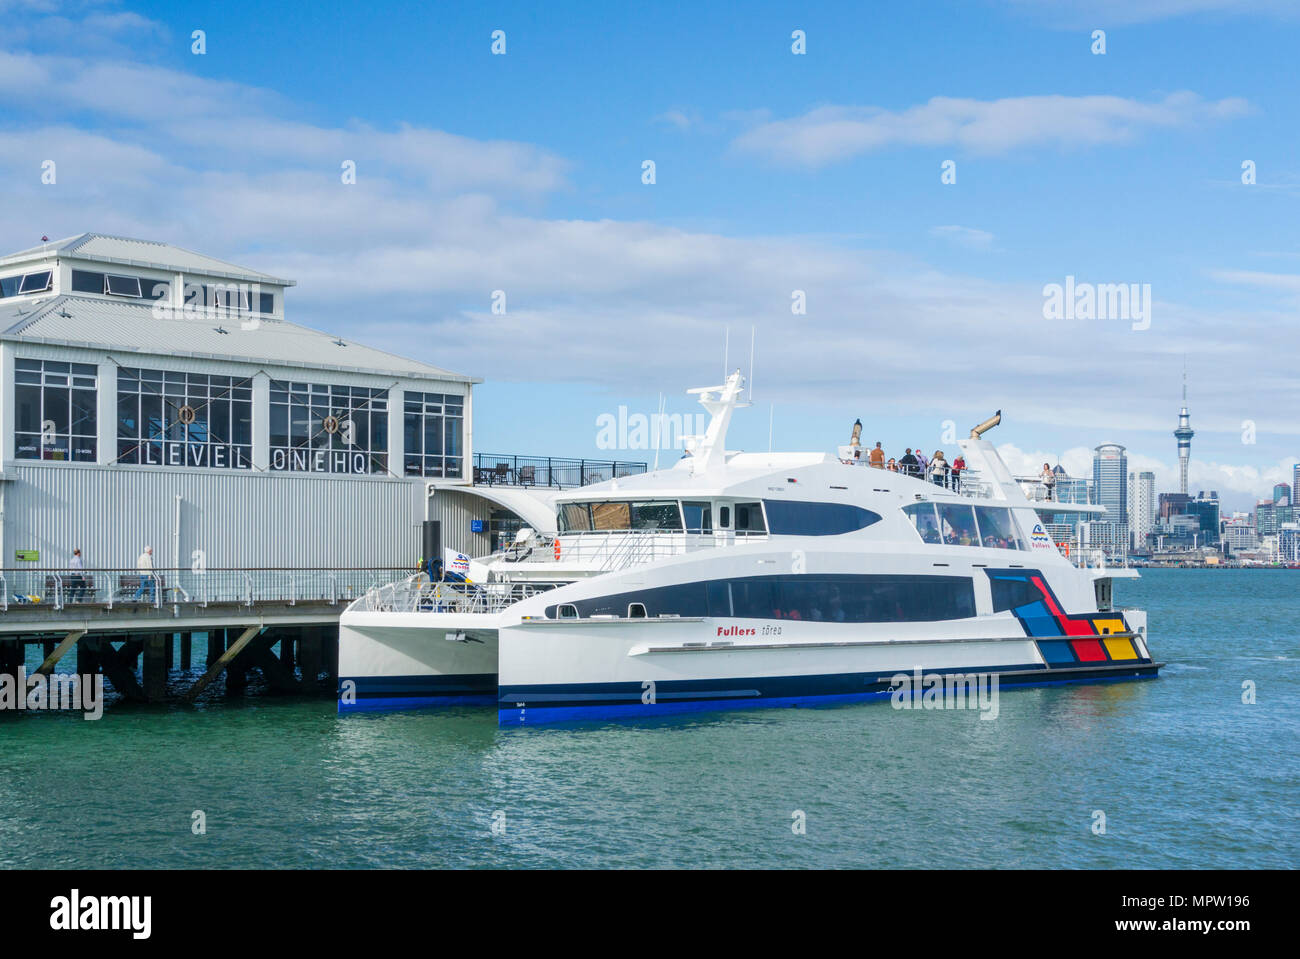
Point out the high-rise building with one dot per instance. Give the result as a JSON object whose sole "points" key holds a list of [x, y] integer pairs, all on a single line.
{"points": [[1295, 478], [1282, 495], [1184, 435], [1141, 507], [1110, 482]]}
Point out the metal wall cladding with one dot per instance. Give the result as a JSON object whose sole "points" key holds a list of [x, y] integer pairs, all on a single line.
{"points": [[237, 520], [456, 509]]}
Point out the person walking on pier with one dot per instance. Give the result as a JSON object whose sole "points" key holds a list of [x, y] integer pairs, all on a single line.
{"points": [[144, 566], [77, 586]]}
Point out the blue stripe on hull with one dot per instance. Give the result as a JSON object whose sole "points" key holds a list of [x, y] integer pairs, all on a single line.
{"points": [[673, 705], [381, 693]]}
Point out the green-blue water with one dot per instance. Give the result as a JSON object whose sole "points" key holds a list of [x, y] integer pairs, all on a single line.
{"points": [[1186, 775]]}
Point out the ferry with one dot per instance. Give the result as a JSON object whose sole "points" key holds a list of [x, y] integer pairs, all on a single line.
{"points": [[735, 580]]}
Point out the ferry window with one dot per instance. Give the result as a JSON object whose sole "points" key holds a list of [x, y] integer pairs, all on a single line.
{"points": [[817, 519], [957, 524], [434, 427], [574, 518], [611, 516], [636, 610], [996, 528], [55, 410], [843, 598], [167, 418], [749, 518], [724, 517], [664, 516], [698, 516], [122, 285], [925, 520], [320, 428], [1013, 593]]}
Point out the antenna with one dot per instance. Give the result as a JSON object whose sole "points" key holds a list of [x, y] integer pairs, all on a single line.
{"points": [[753, 332], [726, 353], [657, 432], [1184, 379]]}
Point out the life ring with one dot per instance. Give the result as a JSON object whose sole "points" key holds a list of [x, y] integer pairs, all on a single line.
{"points": [[557, 550]]}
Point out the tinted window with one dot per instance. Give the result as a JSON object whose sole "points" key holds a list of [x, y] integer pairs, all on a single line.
{"points": [[957, 524], [996, 529], [699, 517], [84, 281], [749, 517], [36, 282], [925, 520], [123, 285], [1013, 593], [844, 598], [816, 519]]}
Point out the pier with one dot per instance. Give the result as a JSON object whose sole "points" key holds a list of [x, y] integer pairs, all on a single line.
{"points": [[135, 629]]}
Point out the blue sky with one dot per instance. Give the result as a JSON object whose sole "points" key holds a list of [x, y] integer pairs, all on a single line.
{"points": [[774, 172]]}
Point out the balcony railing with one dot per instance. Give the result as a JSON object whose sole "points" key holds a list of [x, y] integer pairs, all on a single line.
{"points": [[112, 588], [492, 469]]}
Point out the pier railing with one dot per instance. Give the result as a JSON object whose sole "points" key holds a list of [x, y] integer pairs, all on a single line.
{"points": [[109, 588]]}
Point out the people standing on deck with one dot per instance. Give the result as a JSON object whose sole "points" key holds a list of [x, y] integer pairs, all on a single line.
{"points": [[939, 469], [922, 464], [144, 566], [1049, 482], [892, 465], [908, 463], [878, 457], [958, 465]]}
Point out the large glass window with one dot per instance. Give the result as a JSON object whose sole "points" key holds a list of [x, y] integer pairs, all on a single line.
{"points": [[319, 428], [816, 519], [55, 410], [837, 598], [434, 427], [699, 517], [996, 529], [24, 284], [648, 515], [166, 418]]}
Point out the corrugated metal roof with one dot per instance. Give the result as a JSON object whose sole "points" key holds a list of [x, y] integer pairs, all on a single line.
{"points": [[113, 325], [144, 253]]}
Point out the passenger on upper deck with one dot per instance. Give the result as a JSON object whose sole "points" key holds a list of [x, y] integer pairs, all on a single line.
{"points": [[878, 457], [908, 463]]}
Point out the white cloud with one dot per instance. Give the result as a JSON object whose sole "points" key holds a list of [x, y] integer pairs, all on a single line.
{"points": [[965, 236], [832, 133]]}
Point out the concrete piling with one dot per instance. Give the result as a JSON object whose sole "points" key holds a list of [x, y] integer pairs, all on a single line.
{"points": [[186, 643], [155, 667]]}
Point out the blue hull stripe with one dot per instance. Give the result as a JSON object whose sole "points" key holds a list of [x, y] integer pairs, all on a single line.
{"points": [[544, 715], [374, 693]]}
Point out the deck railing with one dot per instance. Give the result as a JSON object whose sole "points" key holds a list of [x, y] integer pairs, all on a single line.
{"points": [[417, 594], [494, 469]]}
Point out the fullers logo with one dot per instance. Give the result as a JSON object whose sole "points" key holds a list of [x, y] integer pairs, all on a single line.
{"points": [[735, 631], [1038, 538], [102, 913]]}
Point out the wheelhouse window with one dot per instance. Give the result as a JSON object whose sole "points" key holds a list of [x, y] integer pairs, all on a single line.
{"points": [[167, 418], [325, 428], [698, 517], [55, 411], [749, 518], [997, 531], [613, 516], [957, 524], [816, 519], [434, 427]]}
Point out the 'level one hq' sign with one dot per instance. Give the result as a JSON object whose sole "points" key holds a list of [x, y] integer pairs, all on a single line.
{"points": [[319, 461]]}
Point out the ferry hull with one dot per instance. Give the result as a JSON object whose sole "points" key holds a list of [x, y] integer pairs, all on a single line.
{"points": [[551, 673], [390, 664]]}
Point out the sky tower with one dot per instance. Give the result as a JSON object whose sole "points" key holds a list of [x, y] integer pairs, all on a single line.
{"points": [[1184, 434]]}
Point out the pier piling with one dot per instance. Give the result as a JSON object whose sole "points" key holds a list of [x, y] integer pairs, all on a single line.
{"points": [[222, 662], [54, 653], [186, 643], [155, 667]]}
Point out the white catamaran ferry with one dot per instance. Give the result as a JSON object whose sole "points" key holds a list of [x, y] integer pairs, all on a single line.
{"points": [[734, 580]]}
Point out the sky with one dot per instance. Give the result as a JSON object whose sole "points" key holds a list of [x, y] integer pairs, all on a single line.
{"points": [[918, 178]]}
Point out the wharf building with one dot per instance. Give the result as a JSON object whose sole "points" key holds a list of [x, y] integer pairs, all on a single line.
{"points": [[154, 396]]}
